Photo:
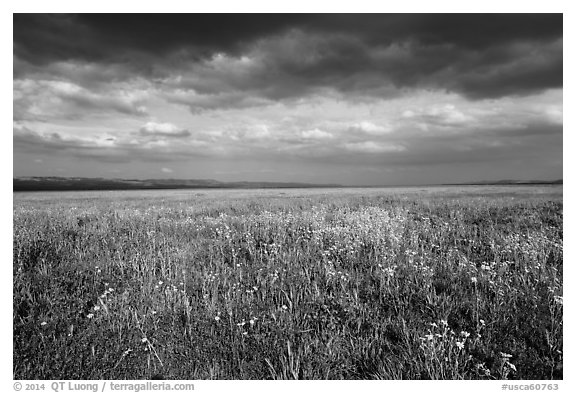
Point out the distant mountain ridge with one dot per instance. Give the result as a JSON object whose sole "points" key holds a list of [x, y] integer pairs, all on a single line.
{"points": [[510, 182], [87, 184], [90, 184]]}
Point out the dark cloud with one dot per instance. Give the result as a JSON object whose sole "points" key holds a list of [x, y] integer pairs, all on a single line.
{"points": [[522, 76], [41, 38], [477, 55], [350, 65], [472, 31], [96, 36]]}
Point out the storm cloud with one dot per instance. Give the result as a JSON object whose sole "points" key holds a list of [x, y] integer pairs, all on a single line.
{"points": [[361, 90], [477, 55]]}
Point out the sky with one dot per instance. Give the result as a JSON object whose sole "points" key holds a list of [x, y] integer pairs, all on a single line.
{"points": [[353, 99]]}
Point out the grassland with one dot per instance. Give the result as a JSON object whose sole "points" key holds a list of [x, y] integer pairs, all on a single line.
{"points": [[435, 283]]}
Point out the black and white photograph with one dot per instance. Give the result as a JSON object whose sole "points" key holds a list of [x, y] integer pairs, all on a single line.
{"points": [[287, 196]]}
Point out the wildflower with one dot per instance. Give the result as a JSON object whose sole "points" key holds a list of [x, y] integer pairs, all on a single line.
{"points": [[110, 289], [481, 367], [217, 318], [90, 315], [160, 282], [96, 308], [474, 280], [433, 324], [513, 367], [482, 322], [241, 323], [464, 334], [284, 307], [460, 345], [43, 323], [443, 322], [505, 355], [144, 339]]}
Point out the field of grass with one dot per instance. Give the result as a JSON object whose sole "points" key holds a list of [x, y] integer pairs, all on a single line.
{"points": [[438, 283]]}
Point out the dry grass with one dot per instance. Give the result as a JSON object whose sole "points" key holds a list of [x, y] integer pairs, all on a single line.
{"points": [[370, 284]]}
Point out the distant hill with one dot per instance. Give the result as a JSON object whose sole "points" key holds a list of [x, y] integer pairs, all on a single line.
{"points": [[85, 184], [511, 182]]}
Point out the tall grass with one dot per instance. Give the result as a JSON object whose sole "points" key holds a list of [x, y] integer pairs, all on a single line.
{"points": [[287, 287]]}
